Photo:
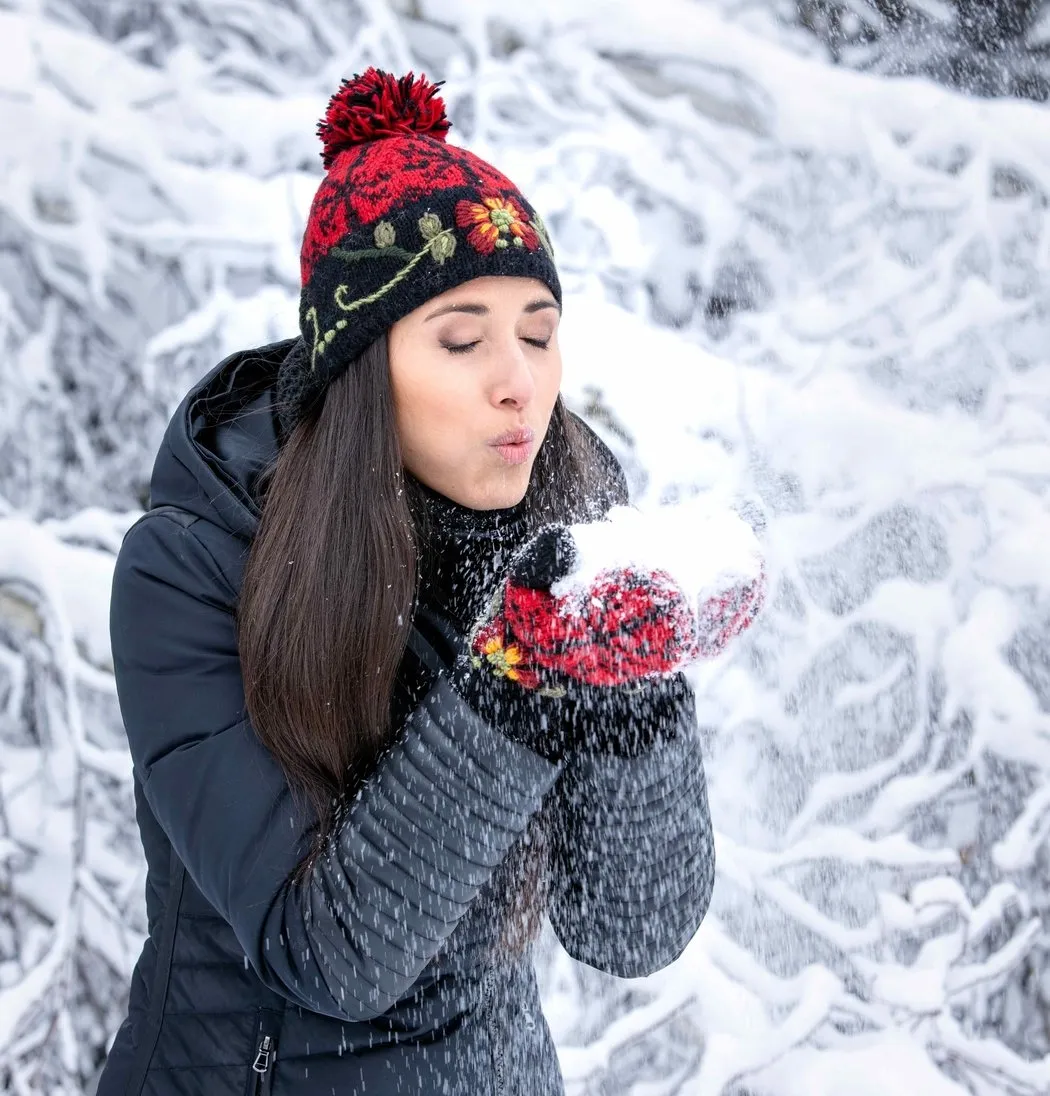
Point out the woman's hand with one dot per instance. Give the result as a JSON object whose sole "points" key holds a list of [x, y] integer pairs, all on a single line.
{"points": [[616, 645], [628, 625]]}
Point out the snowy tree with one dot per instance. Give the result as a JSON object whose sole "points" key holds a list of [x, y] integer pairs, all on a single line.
{"points": [[984, 47], [817, 284]]}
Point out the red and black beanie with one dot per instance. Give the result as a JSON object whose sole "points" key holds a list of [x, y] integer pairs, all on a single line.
{"points": [[400, 217]]}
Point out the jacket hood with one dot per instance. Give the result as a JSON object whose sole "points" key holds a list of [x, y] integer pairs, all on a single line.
{"points": [[220, 438]]}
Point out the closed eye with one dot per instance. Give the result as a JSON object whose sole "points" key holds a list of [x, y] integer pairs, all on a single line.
{"points": [[460, 348], [466, 348]]}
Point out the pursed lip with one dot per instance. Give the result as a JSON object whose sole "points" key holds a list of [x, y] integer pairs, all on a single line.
{"points": [[522, 436]]}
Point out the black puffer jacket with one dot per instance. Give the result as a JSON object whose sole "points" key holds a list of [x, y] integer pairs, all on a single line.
{"points": [[379, 975]]}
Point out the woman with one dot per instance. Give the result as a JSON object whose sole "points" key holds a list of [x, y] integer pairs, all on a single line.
{"points": [[369, 756]]}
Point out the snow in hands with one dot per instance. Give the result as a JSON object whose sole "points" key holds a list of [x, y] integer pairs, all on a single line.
{"points": [[701, 552]]}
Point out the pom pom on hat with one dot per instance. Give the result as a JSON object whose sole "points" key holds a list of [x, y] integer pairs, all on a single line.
{"points": [[376, 104]]}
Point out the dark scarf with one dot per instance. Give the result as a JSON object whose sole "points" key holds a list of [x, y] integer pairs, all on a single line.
{"points": [[462, 552]]}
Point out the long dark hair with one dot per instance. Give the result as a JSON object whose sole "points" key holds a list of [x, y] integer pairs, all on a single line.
{"points": [[330, 581]]}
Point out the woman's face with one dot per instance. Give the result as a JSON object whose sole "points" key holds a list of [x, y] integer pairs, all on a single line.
{"points": [[475, 373]]}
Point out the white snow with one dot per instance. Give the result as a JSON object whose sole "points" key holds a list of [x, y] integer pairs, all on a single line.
{"points": [[705, 548], [71, 581]]}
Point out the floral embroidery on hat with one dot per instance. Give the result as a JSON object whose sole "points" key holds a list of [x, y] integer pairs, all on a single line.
{"points": [[544, 235], [495, 223], [440, 244], [440, 240]]}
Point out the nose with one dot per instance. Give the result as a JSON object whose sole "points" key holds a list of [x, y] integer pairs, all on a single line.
{"points": [[513, 384]]}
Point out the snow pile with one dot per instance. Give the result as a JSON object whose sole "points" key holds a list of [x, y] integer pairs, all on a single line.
{"points": [[819, 288]]}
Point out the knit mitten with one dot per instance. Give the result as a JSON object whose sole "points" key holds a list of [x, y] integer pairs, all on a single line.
{"points": [[589, 670]]}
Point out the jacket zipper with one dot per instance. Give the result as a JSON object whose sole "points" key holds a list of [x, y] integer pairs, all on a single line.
{"points": [[495, 1035], [260, 1076], [262, 1063]]}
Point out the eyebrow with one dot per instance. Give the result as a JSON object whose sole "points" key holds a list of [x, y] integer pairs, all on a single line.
{"points": [[483, 310]]}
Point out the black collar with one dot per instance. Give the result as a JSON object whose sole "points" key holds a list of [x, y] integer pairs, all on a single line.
{"points": [[462, 551]]}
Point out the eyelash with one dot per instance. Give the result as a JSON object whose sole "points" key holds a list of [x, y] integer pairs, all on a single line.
{"points": [[466, 348]]}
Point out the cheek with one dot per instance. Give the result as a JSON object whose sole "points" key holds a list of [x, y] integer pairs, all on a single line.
{"points": [[430, 407]]}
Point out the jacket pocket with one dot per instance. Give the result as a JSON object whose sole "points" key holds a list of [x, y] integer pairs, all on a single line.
{"points": [[263, 1054]]}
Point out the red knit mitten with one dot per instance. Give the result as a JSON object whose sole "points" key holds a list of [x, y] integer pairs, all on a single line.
{"points": [[629, 625], [595, 670]]}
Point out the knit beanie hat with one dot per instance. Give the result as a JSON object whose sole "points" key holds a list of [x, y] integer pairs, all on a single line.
{"points": [[399, 217]]}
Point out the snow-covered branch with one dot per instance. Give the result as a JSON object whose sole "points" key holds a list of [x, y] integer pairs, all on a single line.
{"points": [[819, 288]]}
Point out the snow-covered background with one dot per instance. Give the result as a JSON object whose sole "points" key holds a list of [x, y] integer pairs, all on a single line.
{"points": [[791, 272]]}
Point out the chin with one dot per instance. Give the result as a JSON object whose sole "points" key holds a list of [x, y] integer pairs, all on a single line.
{"points": [[483, 490], [506, 491], [501, 498]]}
